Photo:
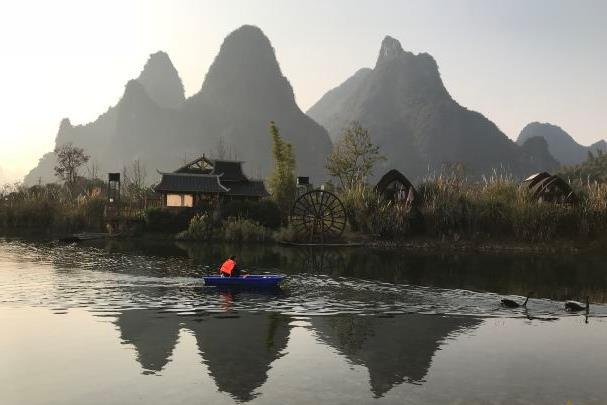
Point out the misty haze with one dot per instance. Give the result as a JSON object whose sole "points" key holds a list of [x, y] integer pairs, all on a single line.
{"points": [[327, 203]]}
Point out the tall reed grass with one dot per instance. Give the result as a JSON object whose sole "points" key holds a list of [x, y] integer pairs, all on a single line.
{"points": [[50, 207], [497, 207]]}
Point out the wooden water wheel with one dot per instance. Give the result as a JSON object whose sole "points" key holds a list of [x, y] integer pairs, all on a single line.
{"points": [[318, 216]]}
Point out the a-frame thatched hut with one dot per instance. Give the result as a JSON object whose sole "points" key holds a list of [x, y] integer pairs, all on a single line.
{"points": [[549, 187], [394, 186]]}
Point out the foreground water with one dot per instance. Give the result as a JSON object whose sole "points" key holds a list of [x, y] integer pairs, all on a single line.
{"points": [[126, 322]]}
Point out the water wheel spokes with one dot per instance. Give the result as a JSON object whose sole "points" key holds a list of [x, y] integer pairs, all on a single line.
{"points": [[318, 215]]}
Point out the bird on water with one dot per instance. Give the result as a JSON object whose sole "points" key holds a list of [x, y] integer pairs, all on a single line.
{"points": [[508, 303], [574, 306]]}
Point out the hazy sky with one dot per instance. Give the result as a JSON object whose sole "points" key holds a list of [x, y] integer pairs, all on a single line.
{"points": [[513, 61]]}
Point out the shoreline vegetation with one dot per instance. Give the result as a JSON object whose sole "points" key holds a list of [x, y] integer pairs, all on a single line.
{"points": [[445, 212], [451, 214]]}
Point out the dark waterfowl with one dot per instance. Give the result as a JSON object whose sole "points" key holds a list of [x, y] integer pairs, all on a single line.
{"points": [[574, 306], [508, 303]]}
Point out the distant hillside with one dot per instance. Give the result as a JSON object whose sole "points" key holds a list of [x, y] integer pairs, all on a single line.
{"points": [[416, 123], [335, 105], [560, 144], [243, 91], [594, 168]]}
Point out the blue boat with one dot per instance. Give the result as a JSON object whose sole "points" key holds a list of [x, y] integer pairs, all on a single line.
{"points": [[247, 281]]}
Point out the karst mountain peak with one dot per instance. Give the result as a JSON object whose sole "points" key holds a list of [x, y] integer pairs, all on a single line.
{"points": [[415, 121], [161, 81], [242, 92]]}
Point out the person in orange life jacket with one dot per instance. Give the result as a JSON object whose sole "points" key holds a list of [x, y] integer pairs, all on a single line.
{"points": [[229, 268]]}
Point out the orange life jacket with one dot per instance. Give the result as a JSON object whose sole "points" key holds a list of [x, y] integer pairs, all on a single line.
{"points": [[228, 266]]}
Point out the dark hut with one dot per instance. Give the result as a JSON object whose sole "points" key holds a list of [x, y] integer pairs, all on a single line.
{"points": [[205, 179], [394, 186], [549, 187]]}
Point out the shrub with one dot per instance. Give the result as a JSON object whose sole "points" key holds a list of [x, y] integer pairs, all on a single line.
{"points": [[391, 220], [265, 211], [286, 234], [50, 207], [497, 196], [498, 207], [446, 206], [244, 230], [167, 221], [93, 210], [201, 227], [360, 203]]}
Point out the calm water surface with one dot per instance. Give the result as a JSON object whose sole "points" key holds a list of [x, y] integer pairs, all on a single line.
{"points": [[130, 322]]}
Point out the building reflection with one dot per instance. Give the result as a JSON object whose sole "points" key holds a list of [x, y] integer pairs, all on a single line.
{"points": [[393, 349]]}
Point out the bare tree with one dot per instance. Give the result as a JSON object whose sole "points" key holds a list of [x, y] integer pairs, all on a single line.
{"points": [[133, 180], [93, 170], [224, 150], [139, 174], [69, 159], [220, 149]]}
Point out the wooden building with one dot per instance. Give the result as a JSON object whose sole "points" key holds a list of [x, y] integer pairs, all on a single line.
{"points": [[208, 180]]}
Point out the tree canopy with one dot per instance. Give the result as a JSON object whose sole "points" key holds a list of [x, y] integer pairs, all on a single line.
{"points": [[594, 168], [353, 156], [69, 159]]}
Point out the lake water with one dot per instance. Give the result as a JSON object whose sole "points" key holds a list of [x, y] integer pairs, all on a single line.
{"points": [[126, 322]]}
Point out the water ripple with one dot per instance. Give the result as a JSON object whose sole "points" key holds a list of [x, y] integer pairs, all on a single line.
{"points": [[61, 277]]}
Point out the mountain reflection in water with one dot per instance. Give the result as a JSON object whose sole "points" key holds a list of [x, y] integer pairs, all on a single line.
{"points": [[393, 349], [239, 349], [350, 326]]}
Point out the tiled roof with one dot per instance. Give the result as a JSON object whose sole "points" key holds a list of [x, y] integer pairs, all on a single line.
{"points": [[250, 188], [192, 183]]}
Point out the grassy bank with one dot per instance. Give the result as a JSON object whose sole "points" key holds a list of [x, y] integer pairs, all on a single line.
{"points": [[50, 208], [497, 208], [447, 211]]}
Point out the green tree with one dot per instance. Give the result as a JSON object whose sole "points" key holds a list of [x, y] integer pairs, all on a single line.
{"points": [[69, 159], [282, 180], [353, 156], [592, 169]]}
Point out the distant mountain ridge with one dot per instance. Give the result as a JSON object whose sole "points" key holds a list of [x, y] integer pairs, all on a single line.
{"points": [[416, 123], [243, 91], [560, 144]]}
